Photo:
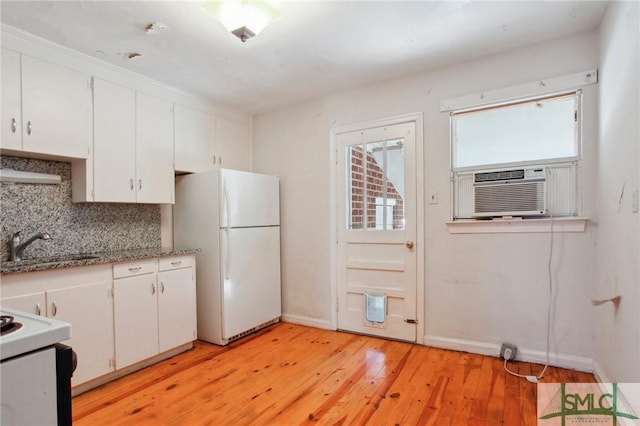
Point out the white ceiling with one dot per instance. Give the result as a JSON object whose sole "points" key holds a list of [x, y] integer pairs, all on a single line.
{"points": [[316, 48]]}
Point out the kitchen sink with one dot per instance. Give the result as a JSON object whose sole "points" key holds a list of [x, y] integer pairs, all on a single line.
{"points": [[48, 260]]}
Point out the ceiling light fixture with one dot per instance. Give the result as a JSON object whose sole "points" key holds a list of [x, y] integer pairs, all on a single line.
{"points": [[243, 18]]}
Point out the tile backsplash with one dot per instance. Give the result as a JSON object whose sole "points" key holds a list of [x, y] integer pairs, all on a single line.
{"points": [[74, 227]]}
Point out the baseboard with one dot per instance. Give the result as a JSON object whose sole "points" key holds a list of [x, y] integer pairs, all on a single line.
{"points": [[528, 355], [598, 372], [308, 321], [109, 377]]}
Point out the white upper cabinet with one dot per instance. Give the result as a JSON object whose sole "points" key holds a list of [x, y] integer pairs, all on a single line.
{"points": [[233, 141], [56, 107], [114, 142], [154, 150], [11, 101], [132, 148], [194, 140]]}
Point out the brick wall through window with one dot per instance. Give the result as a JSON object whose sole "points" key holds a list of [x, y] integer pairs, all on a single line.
{"points": [[375, 190]]}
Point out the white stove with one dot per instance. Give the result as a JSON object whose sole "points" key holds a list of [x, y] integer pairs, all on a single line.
{"points": [[35, 370], [35, 333]]}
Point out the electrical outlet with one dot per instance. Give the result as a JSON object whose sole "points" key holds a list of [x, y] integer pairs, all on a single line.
{"points": [[508, 351]]}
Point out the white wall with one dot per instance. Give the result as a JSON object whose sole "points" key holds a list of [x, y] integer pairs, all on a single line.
{"points": [[480, 289], [618, 230]]}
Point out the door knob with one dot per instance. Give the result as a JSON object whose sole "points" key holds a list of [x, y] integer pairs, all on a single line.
{"points": [[409, 245]]}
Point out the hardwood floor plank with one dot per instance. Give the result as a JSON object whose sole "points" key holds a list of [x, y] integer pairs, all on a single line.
{"points": [[291, 374], [409, 392], [511, 414]]}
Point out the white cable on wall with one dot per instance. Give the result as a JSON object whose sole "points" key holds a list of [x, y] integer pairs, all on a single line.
{"points": [[535, 379]]}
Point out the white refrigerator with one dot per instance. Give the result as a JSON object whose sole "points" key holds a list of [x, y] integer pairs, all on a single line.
{"points": [[233, 217]]}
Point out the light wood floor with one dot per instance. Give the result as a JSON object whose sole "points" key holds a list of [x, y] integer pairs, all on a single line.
{"points": [[289, 374]]}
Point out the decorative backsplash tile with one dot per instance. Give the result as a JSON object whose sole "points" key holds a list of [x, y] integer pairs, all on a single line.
{"points": [[74, 227]]}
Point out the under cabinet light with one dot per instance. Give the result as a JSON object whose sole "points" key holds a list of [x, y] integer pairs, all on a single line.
{"points": [[17, 176]]}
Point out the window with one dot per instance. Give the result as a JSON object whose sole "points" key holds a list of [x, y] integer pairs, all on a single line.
{"points": [[531, 131], [534, 135], [375, 175]]}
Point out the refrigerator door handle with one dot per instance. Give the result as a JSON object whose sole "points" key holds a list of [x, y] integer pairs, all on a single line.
{"points": [[227, 255], [227, 214]]}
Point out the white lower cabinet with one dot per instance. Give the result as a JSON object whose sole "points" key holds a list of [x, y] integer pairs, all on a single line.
{"points": [[154, 307], [135, 309], [176, 305], [125, 312], [88, 309], [79, 296], [34, 303]]}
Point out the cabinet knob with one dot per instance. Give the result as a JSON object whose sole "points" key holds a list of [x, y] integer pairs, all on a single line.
{"points": [[14, 125]]}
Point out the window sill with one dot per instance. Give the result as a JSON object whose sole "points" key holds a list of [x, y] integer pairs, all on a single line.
{"points": [[499, 226]]}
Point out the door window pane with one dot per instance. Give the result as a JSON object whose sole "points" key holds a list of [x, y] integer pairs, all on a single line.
{"points": [[375, 184], [375, 174], [355, 179], [394, 195]]}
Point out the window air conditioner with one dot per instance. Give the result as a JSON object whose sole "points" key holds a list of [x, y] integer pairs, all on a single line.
{"points": [[510, 192]]}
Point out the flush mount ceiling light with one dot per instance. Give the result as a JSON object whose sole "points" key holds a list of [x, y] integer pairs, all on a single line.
{"points": [[243, 18]]}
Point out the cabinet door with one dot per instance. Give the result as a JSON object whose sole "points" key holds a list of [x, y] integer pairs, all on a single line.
{"points": [[89, 310], [34, 303], [56, 106], [176, 308], [194, 140], [154, 150], [11, 103], [135, 309], [233, 142], [114, 142]]}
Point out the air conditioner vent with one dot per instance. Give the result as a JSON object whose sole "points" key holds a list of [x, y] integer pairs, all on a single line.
{"points": [[515, 192], [499, 175]]}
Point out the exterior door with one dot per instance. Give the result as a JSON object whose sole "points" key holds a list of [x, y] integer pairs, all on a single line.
{"points": [[377, 280]]}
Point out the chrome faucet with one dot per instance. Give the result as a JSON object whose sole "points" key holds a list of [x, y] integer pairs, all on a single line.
{"points": [[17, 247]]}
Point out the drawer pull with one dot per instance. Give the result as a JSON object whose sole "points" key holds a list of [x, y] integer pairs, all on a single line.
{"points": [[136, 269], [177, 263]]}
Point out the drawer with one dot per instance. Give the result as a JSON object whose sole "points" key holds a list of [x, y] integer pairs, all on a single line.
{"points": [[131, 269], [176, 262]]}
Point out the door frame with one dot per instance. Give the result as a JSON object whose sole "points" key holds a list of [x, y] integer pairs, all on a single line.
{"points": [[416, 118]]}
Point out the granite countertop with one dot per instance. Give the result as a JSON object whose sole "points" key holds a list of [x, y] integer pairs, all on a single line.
{"points": [[86, 259]]}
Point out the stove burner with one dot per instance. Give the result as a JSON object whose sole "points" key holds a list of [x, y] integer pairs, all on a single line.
{"points": [[7, 325]]}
